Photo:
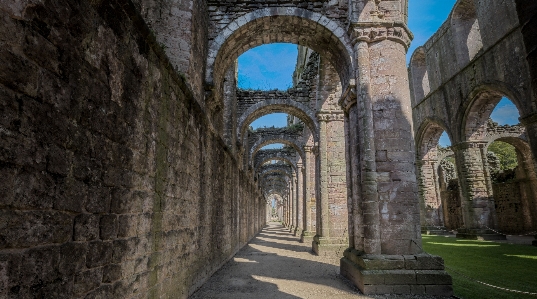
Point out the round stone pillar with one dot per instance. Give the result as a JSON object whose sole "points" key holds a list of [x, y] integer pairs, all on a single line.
{"points": [[477, 202], [309, 187], [330, 239], [385, 254], [300, 199]]}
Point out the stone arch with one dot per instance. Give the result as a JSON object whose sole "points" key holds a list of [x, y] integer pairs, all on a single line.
{"points": [[466, 32], [525, 217], [431, 204], [428, 136], [277, 158], [278, 105], [281, 24], [479, 107], [292, 142], [276, 171], [275, 182], [420, 76]]}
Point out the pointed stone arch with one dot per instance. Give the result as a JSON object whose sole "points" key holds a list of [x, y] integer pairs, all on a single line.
{"points": [[281, 24], [466, 32], [278, 105]]}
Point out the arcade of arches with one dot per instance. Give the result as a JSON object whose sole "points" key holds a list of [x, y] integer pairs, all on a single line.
{"points": [[130, 169]]}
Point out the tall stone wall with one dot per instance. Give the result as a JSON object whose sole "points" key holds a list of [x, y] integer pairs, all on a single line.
{"points": [[457, 79], [114, 184], [499, 66], [180, 28]]}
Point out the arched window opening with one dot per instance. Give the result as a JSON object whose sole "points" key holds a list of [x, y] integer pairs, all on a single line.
{"points": [[514, 185], [505, 113], [420, 76], [466, 31], [273, 146], [449, 190], [491, 114], [273, 120], [438, 182]]}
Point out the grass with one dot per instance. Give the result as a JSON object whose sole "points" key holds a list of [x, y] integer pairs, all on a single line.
{"points": [[504, 265]]}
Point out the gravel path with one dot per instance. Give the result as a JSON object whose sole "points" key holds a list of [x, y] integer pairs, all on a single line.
{"points": [[275, 265]]}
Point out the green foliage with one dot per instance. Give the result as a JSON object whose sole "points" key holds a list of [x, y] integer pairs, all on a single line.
{"points": [[505, 265], [506, 153]]}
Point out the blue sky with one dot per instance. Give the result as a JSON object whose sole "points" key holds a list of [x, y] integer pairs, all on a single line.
{"points": [[268, 67]]}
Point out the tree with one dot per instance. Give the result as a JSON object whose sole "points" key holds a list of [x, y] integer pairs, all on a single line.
{"points": [[506, 153]]}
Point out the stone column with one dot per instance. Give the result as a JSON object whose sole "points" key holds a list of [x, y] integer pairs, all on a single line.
{"points": [[300, 199], [292, 205], [330, 239], [386, 254], [286, 208], [431, 216], [289, 203], [477, 202], [309, 170]]}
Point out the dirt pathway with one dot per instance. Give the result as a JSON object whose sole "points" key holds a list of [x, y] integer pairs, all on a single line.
{"points": [[275, 265]]}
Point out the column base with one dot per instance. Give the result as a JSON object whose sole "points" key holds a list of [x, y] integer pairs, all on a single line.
{"points": [[298, 232], [329, 246], [306, 237], [435, 230], [479, 234], [419, 274], [291, 228]]}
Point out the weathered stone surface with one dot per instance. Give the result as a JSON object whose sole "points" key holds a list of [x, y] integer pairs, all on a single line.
{"points": [[128, 169], [105, 153]]}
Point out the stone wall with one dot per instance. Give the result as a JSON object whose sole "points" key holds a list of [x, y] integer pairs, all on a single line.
{"points": [[457, 79], [220, 11], [180, 28], [507, 198], [106, 157], [499, 67]]}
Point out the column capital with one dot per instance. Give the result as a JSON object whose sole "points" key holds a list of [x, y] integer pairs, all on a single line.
{"points": [[376, 31], [328, 116], [469, 144], [348, 98], [315, 150]]}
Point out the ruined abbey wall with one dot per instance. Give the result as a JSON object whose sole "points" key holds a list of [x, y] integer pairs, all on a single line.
{"points": [[457, 78], [111, 155]]}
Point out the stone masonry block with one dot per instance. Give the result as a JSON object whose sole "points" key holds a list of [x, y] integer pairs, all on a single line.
{"points": [[108, 227], [436, 277], [439, 290], [72, 257], [86, 227], [87, 280], [111, 273], [31, 228], [99, 254]]}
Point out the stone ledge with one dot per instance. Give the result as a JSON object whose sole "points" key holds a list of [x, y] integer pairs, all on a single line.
{"points": [[329, 246], [433, 230], [480, 234], [397, 280], [392, 262], [306, 237]]}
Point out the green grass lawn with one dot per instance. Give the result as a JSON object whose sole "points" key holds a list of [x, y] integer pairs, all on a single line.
{"points": [[505, 265]]}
